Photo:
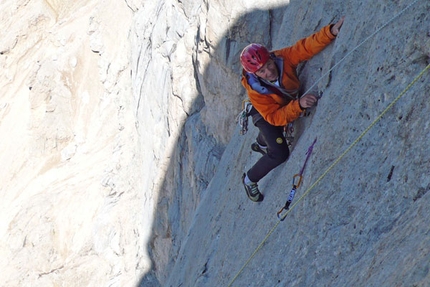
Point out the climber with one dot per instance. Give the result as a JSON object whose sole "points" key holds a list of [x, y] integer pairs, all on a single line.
{"points": [[272, 84]]}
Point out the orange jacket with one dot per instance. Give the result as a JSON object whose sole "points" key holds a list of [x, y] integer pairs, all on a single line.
{"points": [[277, 109]]}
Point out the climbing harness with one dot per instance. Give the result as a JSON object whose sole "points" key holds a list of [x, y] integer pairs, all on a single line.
{"points": [[242, 118], [297, 181]]}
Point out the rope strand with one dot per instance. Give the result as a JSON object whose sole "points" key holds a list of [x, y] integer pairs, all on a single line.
{"points": [[359, 45]]}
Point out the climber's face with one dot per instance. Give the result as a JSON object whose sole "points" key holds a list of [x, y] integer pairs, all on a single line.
{"points": [[269, 71]]}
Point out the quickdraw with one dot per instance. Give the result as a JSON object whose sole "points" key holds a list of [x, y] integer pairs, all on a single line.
{"points": [[242, 118], [297, 181]]}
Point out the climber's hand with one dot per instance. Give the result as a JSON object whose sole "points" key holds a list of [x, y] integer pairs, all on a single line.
{"points": [[308, 101], [336, 27]]}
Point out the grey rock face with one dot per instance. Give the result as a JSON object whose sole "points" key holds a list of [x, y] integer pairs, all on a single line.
{"points": [[121, 158]]}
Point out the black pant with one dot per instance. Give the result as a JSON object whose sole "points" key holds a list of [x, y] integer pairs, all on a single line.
{"points": [[277, 150]]}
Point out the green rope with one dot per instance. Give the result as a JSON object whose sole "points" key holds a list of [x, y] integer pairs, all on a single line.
{"points": [[330, 168]]}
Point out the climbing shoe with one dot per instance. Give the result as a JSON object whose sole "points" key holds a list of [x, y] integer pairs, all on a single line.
{"points": [[252, 190], [257, 148]]}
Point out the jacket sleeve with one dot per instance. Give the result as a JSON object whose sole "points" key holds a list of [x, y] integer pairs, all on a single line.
{"points": [[274, 112], [308, 47]]}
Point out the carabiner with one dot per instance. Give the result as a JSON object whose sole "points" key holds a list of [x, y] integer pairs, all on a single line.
{"points": [[287, 204], [299, 181], [282, 217]]}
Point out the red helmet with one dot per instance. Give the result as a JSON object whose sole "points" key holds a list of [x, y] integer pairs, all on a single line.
{"points": [[253, 57]]}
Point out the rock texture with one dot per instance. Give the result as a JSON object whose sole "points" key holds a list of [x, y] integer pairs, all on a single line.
{"points": [[121, 158], [71, 186]]}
